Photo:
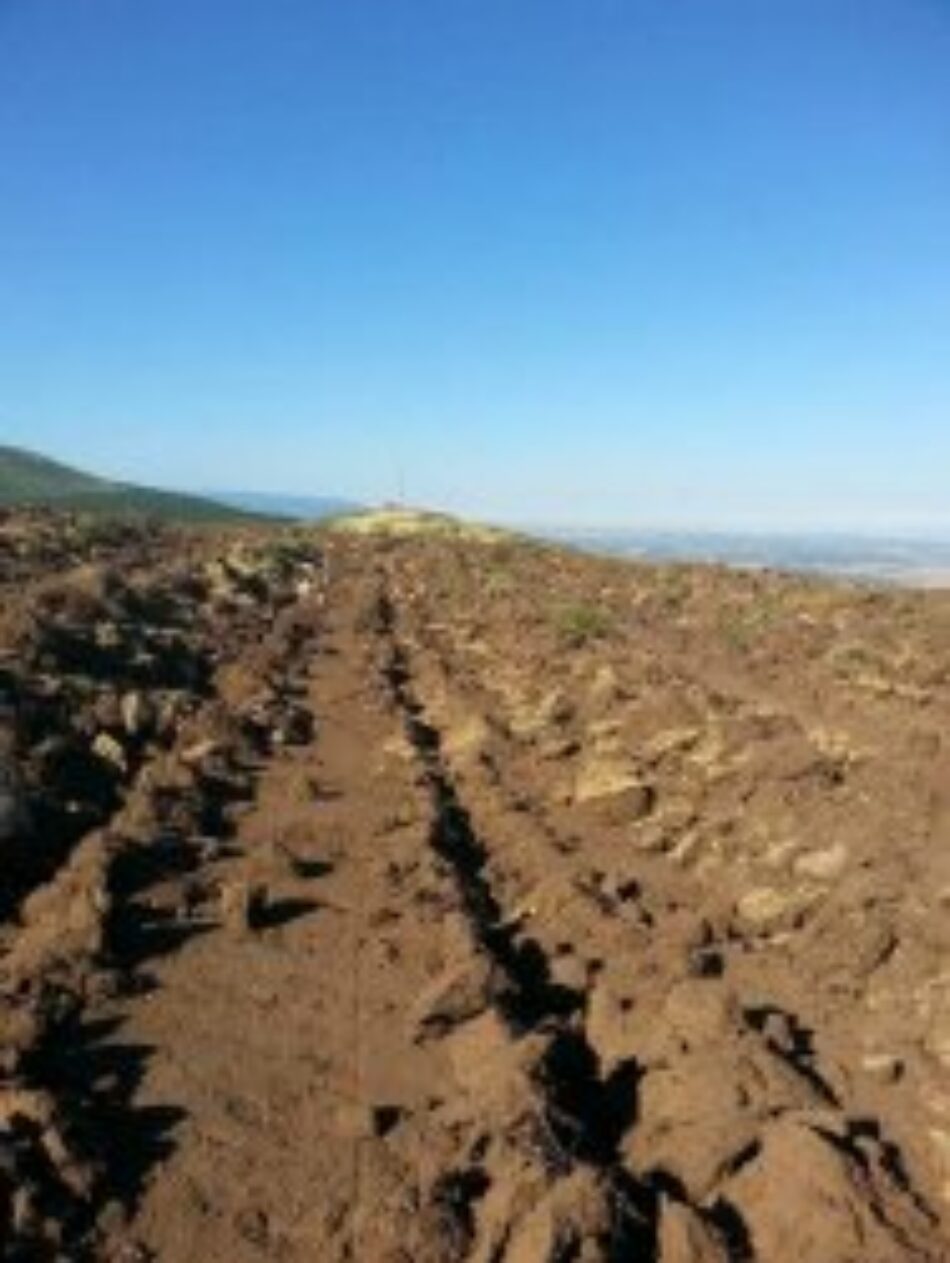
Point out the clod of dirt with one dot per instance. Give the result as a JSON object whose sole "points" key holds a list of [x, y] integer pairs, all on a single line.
{"points": [[458, 995], [242, 906], [66, 923], [865, 1216], [684, 1236], [572, 1221]]}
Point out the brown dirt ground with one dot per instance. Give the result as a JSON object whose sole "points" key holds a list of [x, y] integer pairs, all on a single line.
{"points": [[441, 899]]}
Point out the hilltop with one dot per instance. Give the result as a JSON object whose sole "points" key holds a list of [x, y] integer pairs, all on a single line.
{"points": [[29, 479], [402, 522]]}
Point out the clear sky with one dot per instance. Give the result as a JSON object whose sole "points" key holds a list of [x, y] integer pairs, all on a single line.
{"points": [[601, 261]]}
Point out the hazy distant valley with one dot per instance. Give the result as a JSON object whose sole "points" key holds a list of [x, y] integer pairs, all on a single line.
{"points": [[919, 561]]}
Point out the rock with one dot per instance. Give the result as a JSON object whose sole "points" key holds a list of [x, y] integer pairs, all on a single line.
{"points": [[604, 736], [780, 1032], [673, 741], [604, 689], [77, 1176], [888, 1067], [240, 565], [138, 713], [824, 864], [171, 710], [766, 907], [199, 751], [556, 708], [107, 635], [599, 778], [24, 1217], [242, 904], [467, 740], [622, 796], [553, 711], [28, 1105], [358, 1121], [20, 1030], [110, 750], [705, 962], [571, 971], [556, 747]]}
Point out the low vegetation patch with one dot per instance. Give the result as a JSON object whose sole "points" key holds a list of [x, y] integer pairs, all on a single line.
{"points": [[580, 623]]}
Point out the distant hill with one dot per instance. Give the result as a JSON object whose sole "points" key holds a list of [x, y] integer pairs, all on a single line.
{"points": [[27, 478], [303, 508]]}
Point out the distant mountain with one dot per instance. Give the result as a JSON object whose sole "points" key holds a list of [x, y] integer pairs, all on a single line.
{"points": [[303, 508], [27, 478]]}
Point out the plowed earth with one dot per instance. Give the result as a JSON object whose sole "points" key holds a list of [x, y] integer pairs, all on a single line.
{"points": [[436, 900]]}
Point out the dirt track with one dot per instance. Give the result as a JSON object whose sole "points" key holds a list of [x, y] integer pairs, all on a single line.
{"points": [[442, 900]]}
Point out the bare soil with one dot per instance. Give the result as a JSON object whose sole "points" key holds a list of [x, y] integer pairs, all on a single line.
{"points": [[430, 899]]}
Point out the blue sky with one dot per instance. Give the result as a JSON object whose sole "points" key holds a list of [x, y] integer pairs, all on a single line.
{"points": [[603, 261]]}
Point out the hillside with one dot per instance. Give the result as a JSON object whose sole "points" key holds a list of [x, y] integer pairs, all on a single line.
{"points": [[26, 478], [416, 893]]}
